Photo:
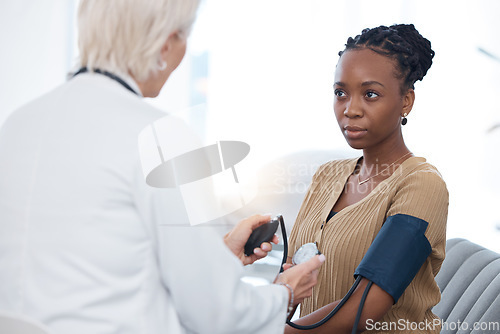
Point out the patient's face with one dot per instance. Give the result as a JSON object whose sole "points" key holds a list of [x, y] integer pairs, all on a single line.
{"points": [[368, 103]]}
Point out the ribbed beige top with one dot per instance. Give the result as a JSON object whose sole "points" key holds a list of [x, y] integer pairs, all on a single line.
{"points": [[416, 188]]}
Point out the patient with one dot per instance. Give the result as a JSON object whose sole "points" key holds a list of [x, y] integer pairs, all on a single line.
{"points": [[349, 200]]}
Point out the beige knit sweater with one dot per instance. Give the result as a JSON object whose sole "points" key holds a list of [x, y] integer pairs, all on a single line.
{"points": [[416, 188]]}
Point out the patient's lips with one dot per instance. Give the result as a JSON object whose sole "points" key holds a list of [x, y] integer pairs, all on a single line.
{"points": [[354, 132]]}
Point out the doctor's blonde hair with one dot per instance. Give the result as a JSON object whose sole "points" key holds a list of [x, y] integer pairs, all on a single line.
{"points": [[126, 36]]}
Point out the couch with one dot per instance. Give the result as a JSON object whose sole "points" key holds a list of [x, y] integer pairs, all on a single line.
{"points": [[469, 281]]}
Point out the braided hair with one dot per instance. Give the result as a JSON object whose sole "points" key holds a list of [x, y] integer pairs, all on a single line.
{"points": [[401, 42]]}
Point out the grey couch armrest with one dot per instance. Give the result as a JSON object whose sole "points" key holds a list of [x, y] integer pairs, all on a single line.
{"points": [[469, 281]]}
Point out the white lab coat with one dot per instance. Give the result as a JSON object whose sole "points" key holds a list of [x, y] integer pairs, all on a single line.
{"points": [[87, 247]]}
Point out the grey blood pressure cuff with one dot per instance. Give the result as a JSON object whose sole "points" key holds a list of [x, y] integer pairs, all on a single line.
{"points": [[396, 255]]}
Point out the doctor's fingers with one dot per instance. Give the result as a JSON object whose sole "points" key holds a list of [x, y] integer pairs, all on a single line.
{"points": [[314, 263], [303, 277], [255, 221], [303, 271], [263, 250]]}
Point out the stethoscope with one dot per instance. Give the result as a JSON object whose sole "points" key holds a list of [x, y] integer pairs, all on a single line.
{"points": [[303, 254], [109, 75]]}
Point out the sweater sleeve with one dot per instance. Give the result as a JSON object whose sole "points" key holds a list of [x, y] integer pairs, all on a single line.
{"points": [[423, 194]]}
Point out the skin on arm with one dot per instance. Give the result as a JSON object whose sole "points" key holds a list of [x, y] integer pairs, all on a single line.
{"points": [[377, 304]]}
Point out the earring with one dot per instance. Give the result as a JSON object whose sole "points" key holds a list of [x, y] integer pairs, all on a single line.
{"points": [[404, 120], [162, 65]]}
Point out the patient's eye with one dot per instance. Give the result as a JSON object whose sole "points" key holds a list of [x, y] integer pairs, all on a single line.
{"points": [[339, 93], [371, 95]]}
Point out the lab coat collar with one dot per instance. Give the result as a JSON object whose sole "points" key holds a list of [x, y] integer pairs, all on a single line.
{"points": [[130, 81], [122, 75]]}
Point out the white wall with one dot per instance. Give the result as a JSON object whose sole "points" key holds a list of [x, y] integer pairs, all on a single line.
{"points": [[36, 38]]}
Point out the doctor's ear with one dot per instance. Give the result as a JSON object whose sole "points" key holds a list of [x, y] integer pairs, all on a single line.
{"points": [[169, 43], [165, 49], [173, 50]]}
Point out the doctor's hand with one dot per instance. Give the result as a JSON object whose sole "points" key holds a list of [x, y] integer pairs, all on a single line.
{"points": [[236, 239], [301, 278]]}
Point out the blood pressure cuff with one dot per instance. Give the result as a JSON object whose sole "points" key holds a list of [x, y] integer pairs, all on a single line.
{"points": [[396, 255]]}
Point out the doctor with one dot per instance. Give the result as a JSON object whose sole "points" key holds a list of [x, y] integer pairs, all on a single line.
{"points": [[85, 245]]}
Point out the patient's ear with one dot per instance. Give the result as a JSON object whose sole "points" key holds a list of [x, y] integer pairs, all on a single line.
{"points": [[408, 100]]}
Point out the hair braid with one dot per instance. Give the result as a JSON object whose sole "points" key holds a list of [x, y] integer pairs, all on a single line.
{"points": [[401, 42]]}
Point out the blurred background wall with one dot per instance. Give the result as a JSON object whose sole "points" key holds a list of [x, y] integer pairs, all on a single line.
{"points": [[261, 71]]}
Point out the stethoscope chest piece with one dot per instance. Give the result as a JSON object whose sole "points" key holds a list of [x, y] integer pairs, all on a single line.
{"points": [[304, 253]]}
